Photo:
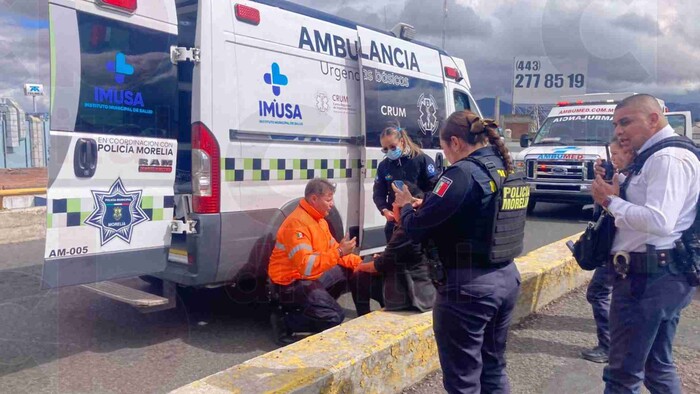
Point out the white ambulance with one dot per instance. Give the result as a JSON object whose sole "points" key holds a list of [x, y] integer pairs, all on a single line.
{"points": [[184, 131], [558, 162]]}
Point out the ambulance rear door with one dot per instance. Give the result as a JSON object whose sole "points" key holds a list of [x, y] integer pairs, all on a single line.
{"points": [[459, 97], [113, 139], [401, 81]]}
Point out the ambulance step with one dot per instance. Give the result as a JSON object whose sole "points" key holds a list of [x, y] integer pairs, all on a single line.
{"points": [[147, 302]]}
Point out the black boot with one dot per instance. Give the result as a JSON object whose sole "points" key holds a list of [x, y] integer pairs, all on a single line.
{"points": [[598, 355], [280, 332]]}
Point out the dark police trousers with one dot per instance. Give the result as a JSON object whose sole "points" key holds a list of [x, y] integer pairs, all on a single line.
{"points": [[642, 330], [471, 316], [598, 295], [311, 305]]}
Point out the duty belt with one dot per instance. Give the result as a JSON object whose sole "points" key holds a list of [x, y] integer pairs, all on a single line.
{"points": [[625, 263]]}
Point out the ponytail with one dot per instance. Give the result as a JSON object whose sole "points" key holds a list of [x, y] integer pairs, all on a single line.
{"points": [[495, 139], [469, 127]]}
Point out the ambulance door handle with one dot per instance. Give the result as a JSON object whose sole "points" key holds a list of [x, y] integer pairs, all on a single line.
{"points": [[439, 162], [85, 158]]}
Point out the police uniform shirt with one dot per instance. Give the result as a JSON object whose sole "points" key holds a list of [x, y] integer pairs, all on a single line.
{"points": [[418, 170], [455, 211], [661, 199]]}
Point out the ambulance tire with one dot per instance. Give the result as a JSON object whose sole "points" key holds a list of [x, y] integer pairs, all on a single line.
{"points": [[531, 205], [335, 223]]}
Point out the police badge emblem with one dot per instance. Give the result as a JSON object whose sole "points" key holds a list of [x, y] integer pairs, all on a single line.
{"points": [[116, 212]]}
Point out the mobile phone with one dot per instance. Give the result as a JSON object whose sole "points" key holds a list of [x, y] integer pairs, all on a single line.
{"points": [[570, 245], [398, 184], [607, 164]]}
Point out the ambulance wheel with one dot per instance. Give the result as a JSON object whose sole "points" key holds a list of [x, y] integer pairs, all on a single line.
{"points": [[335, 224], [531, 205], [151, 280]]}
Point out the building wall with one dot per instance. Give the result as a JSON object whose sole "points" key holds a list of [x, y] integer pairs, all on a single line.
{"points": [[518, 124]]}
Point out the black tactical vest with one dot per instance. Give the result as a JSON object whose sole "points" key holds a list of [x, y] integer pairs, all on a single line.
{"points": [[509, 207]]}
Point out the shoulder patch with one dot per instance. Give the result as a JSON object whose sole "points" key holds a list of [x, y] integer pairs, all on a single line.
{"points": [[441, 188], [431, 169]]}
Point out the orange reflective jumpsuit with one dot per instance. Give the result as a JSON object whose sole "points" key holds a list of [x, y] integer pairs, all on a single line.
{"points": [[305, 248]]}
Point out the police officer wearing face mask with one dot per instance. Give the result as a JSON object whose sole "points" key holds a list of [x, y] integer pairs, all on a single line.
{"points": [[476, 218], [404, 161]]}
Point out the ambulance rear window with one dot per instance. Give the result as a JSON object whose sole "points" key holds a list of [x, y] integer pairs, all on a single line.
{"points": [[461, 101], [128, 86]]}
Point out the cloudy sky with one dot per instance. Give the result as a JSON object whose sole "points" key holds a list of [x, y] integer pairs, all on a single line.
{"points": [[627, 45]]}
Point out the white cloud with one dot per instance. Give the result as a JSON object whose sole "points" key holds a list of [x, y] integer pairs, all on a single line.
{"points": [[25, 60]]}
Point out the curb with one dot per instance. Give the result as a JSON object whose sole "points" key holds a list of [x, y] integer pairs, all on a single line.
{"points": [[382, 352], [22, 225]]}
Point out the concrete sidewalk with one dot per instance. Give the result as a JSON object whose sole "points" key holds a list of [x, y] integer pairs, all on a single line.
{"points": [[382, 352], [543, 351]]}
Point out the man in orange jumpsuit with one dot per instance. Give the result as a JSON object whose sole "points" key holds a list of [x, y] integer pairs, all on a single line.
{"points": [[309, 269]]}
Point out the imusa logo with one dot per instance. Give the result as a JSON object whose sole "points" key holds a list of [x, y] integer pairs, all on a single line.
{"points": [[274, 109], [120, 69]]}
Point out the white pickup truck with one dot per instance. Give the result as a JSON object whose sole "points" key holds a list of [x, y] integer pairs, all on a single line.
{"points": [[559, 160]]}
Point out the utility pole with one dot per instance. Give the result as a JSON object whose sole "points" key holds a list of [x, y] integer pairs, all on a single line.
{"points": [[386, 27], [497, 110], [4, 141], [444, 23]]}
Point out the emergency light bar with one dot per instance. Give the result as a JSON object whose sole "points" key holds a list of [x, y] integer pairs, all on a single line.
{"points": [[404, 31], [128, 6], [565, 103], [247, 14]]}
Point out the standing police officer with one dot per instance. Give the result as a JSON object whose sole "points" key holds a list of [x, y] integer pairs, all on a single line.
{"points": [[474, 305], [648, 293]]}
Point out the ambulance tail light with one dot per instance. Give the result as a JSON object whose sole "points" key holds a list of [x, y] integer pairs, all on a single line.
{"points": [[120, 5], [247, 14], [453, 73], [206, 171]]}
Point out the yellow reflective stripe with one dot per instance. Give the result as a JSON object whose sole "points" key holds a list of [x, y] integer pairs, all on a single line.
{"points": [[298, 248], [279, 246], [310, 264]]}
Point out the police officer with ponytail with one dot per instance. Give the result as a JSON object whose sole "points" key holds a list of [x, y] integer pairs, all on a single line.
{"points": [[475, 217], [404, 161]]}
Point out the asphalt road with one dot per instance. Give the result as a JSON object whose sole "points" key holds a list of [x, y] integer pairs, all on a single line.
{"points": [[71, 340]]}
